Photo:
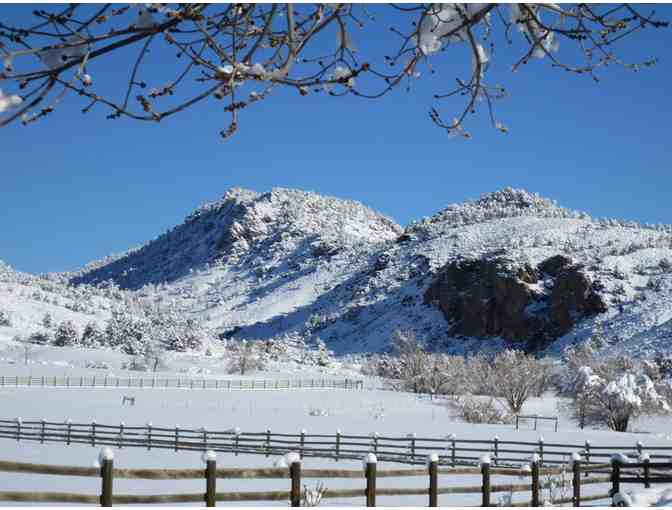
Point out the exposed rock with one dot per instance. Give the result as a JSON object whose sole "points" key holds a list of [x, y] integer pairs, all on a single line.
{"points": [[555, 265], [573, 297], [496, 297]]}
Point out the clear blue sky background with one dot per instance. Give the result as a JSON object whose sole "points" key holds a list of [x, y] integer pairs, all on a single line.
{"points": [[75, 188]]}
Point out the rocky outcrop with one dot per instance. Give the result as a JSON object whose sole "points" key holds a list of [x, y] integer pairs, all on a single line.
{"points": [[497, 297]]}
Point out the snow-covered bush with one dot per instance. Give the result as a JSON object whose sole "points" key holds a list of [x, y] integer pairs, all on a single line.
{"points": [[475, 410], [127, 331], [609, 391], [556, 488], [40, 337], [47, 320], [4, 319], [92, 336], [136, 363], [66, 334], [312, 496]]}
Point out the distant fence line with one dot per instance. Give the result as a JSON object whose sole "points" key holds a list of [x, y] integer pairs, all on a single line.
{"points": [[535, 480], [536, 418], [107, 381], [410, 449]]}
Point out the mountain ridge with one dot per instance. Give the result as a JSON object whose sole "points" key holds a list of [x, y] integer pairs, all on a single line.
{"points": [[290, 264]]}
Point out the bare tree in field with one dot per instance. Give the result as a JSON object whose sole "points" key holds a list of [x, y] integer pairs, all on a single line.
{"points": [[170, 57], [515, 377], [245, 359]]}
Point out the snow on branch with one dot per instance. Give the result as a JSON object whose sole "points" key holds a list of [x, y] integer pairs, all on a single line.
{"points": [[242, 54]]}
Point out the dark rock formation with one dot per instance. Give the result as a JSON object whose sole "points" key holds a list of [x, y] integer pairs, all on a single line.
{"points": [[496, 297]]}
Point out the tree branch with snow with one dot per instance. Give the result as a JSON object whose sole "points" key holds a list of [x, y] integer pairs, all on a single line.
{"points": [[180, 55]]}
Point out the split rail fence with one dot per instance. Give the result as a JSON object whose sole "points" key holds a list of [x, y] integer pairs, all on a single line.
{"points": [[409, 449], [179, 383], [534, 483]]}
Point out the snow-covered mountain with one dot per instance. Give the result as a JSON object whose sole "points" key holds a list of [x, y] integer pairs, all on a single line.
{"points": [[292, 264]]}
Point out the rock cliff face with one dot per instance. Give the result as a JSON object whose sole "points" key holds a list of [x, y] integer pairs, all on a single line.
{"points": [[496, 297]]}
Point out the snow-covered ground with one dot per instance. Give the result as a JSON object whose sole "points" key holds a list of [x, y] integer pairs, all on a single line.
{"points": [[384, 412]]}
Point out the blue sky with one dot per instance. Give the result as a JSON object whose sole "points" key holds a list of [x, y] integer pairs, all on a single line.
{"points": [[75, 188]]}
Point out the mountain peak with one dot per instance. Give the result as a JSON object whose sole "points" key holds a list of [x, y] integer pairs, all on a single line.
{"points": [[505, 203], [242, 223]]}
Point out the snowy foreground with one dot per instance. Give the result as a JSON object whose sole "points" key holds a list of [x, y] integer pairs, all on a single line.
{"points": [[351, 412]]}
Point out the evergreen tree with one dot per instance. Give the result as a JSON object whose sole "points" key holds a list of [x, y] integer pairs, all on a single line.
{"points": [[92, 336], [66, 334]]}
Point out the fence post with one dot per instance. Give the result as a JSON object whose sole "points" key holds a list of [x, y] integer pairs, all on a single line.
{"points": [[42, 432], [303, 440], [496, 454], [93, 433], [411, 437], [541, 451], [370, 462], [69, 430], [587, 454], [647, 471], [639, 449], [177, 436], [374, 437], [18, 429], [485, 473], [121, 434], [433, 464], [149, 436], [295, 474], [338, 444], [535, 482], [615, 476], [210, 458], [452, 450], [268, 442], [106, 470], [205, 439], [576, 482]]}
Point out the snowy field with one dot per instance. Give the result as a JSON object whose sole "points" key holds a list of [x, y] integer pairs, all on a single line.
{"points": [[354, 413], [351, 412]]}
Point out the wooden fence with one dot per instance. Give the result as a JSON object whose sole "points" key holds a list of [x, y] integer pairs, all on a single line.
{"points": [[536, 418], [107, 381], [536, 479], [409, 449]]}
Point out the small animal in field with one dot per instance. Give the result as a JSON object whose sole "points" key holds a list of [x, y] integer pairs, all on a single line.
{"points": [[130, 400]]}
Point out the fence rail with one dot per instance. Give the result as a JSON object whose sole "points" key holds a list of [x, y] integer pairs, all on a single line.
{"points": [[179, 383], [409, 449], [536, 418], [537, 475]]}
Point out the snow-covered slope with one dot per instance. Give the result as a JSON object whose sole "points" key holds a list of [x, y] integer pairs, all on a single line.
{"points": [[25, 301], [291, 264]]}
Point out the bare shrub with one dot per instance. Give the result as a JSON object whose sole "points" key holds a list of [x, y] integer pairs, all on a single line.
{"points": [[244, 359], [475, 410]]}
